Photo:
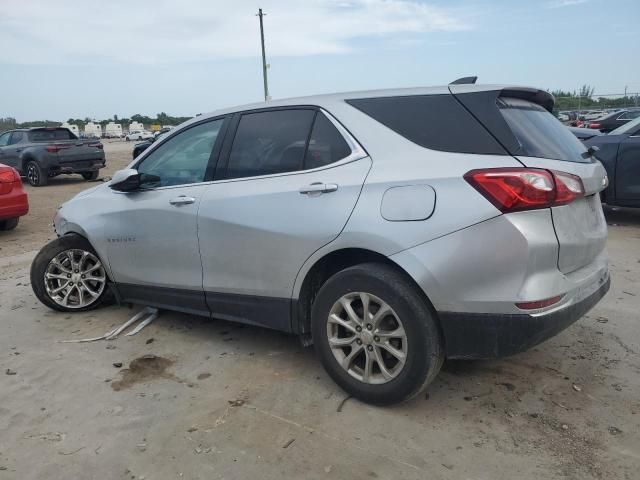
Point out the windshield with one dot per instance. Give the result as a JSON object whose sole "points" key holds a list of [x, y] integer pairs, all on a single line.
{"points": [[539, 133], [626, 128]]}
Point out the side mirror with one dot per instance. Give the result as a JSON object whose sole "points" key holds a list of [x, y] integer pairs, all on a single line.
{"points": [[126, 180], [591, 151]]}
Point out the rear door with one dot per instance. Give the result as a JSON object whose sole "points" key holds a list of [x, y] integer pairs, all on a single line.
{"points": [[290, 181], [628, 168]]}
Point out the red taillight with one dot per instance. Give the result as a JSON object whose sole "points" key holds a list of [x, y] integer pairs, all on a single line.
{"points": [[568, 188], [594, 125], [8, 177], [539, 303], [517, 189], [56, 148]]}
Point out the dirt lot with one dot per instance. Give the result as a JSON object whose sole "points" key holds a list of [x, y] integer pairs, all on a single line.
{"points": [[196, 398]]}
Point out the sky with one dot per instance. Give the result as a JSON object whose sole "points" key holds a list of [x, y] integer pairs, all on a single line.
{"points": [[89, 58]]}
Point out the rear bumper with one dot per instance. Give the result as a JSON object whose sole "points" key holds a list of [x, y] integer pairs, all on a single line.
{"points": [[79, 166], [478, 335]]}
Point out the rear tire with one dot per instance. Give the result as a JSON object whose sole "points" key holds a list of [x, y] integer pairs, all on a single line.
{"points": [[9, 224], [36, 176], [389, 358], [90, 175], [68, 276]]}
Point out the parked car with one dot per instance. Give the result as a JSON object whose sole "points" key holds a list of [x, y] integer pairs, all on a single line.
{"points": [[138, 148], [13, 199], [613, 120], [619, 152], [138, 135], [593, 114], [318, 216], [42, 153], [584, 133], [162, 131]]}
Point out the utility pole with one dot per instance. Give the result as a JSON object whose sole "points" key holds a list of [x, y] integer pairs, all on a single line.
{"points": [[264, 57]]}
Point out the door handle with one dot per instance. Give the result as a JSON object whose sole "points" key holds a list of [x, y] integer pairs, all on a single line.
{"points": [[18, 150], [182, 200], [319, 188]]}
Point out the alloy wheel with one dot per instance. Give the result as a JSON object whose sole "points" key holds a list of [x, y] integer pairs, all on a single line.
{"points": [[75, 278], [367, 338], [32, 174]]}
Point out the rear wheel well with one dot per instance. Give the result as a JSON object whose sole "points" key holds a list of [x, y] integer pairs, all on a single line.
{"points": [[328, 266], [23, 164]]}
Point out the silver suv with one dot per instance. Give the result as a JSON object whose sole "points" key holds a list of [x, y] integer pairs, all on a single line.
{"points": [[392, 229]]}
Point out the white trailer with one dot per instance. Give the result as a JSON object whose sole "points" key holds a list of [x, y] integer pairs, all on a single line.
{"points": [[136, 127], [73, 128], [113, 130], [93, 130]]}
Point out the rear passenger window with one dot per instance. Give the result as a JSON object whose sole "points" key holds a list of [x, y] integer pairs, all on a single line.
{"points": [[269, 142], [437, 122], [326, 144]]}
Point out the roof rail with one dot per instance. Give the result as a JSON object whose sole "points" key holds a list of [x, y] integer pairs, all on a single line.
{"points": [[464, 81]]}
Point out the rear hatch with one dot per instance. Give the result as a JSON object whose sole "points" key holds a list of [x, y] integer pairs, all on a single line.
{"points": [[522, 122]]}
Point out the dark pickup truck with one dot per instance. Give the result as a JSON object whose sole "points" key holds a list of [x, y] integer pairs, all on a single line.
{"points": [[42, 153]]}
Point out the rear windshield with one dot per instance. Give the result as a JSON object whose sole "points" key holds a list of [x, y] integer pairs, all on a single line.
{"points": [[539, 133], [51, 134]]}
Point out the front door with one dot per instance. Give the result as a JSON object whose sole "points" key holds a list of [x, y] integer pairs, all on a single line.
{"points": [[290, 183], [628, 169], [11, 145], [151, 234]]}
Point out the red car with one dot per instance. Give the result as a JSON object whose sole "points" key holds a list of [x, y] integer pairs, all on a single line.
{"points": [[13, 199]]}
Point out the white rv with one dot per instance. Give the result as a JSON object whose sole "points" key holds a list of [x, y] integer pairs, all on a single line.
{"points": [[136, 127], [73, 128], [93, 130], [113, 130]]}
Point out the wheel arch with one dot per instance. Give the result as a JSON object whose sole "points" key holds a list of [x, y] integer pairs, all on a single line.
{"points": [[330, 264], [24, 159], [71, 228]]}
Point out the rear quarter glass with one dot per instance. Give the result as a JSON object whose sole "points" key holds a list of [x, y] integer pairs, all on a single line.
{"points": [[437, 122]]}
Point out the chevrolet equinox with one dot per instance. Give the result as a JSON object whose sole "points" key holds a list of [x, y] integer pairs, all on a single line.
{"points": [[392, 229]]}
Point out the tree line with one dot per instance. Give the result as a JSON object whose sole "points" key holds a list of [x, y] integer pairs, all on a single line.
{"points": [[585, 98], [162, 118]]}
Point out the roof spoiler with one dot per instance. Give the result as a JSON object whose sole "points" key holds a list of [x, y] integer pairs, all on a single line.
{"points": [[464, 81]]}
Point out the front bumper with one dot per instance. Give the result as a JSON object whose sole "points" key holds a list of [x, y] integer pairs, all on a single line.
{"points": [[492, 335]]}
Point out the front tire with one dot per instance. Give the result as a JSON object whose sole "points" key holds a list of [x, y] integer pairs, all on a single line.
{"points": [[36, 176], [88, 176], [9, 224], [376, 335], [68, 276]]}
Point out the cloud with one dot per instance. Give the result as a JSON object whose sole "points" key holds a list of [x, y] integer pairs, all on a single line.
{"points": [[168, 31], [565, 3]]}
